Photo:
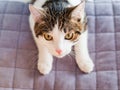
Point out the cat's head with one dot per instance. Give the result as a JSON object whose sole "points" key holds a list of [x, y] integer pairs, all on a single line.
{"points": [[59, 28]]}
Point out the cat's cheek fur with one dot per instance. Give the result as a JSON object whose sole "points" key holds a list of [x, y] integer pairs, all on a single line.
{"points": [[83, 59], [51, 46]]}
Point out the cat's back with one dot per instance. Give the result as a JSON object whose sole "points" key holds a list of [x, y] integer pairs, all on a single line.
{"points": [[41, 3]]}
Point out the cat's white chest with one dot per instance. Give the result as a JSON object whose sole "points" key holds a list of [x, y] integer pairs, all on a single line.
{"points": [[74, 2], [39, 3]]}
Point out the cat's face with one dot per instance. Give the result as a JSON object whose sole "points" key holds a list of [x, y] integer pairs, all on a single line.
{"points": [[59, 31], [59, 42]]}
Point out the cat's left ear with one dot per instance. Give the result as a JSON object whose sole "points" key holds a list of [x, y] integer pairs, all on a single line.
{"points": [[79, 10], [35, 12]]}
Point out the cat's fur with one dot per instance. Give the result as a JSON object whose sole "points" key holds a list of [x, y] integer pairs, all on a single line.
{"points": [[52, 23]]}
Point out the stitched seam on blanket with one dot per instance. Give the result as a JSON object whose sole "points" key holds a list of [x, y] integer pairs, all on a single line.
{"points": [[115, 44]]}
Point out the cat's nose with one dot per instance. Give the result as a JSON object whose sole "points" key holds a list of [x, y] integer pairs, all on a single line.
{"points": [[58, 51]]}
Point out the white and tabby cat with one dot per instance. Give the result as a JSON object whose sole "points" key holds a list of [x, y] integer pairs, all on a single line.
{"points": [[57, 25]]}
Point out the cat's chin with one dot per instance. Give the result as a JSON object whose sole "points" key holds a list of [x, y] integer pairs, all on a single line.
{"points": [[59, 56]]}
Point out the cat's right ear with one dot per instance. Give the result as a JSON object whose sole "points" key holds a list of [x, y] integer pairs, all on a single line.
{"points": [[36, 13]]}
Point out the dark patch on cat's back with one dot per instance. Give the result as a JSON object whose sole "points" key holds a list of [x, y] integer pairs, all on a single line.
{"points": [[54, 1]]}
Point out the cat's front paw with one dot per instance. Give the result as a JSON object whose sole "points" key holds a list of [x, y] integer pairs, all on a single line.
{"points": [[44, 68], [86, 65]]}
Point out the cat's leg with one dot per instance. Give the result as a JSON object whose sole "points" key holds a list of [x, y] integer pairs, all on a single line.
{"points": [[82, 55], [45, 59]]}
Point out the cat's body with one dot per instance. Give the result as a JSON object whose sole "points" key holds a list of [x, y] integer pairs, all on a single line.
{"points": [[57, 25]]}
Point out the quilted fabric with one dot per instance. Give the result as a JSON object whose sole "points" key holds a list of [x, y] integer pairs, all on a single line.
{"points": [[18, 52]]}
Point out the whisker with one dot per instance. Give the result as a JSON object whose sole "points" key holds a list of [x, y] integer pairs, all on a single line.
{"points": [[34, 60]]}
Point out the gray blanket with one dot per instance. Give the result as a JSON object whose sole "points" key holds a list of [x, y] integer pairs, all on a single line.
{"points": [[18, 51]]}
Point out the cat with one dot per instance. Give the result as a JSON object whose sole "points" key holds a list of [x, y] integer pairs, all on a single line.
{"points": [[57, 26]]}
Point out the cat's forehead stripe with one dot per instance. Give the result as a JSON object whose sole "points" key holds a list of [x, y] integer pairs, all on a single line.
{"points": [[56, 11]]}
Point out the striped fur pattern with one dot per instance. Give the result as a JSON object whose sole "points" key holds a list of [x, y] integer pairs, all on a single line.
{"points": [[57, 11]]}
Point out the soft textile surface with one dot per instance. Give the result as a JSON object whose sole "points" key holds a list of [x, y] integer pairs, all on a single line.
{"points": [[18, 52]]}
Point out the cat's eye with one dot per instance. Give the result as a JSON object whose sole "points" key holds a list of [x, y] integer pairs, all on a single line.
{"points": [[48, 37], [69, 36]]}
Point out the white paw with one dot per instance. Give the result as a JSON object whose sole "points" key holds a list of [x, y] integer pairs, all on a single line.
{"points": [[44, 68], [86, 65]]}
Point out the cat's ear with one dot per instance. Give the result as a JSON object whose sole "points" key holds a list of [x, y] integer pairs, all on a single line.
{"points": [[36, 13], [79, 10]]}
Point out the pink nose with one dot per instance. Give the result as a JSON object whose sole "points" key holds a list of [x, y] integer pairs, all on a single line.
{"points": [[58, 51]]}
